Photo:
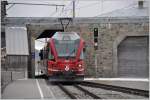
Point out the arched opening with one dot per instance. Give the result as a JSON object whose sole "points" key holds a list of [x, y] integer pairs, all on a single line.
{"points": [[133, 57], [40, 42]]}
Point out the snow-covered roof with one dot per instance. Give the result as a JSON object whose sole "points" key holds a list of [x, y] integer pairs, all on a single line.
{"points": [[133, 11]]}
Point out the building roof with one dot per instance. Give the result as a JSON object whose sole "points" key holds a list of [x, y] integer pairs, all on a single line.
{"points": [[133, 11]]}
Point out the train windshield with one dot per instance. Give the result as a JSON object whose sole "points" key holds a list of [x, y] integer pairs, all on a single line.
{"points": [[66, 48], [66, 43]]}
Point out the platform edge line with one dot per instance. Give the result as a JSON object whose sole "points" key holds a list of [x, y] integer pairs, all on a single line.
{"points": [[40, 90]]}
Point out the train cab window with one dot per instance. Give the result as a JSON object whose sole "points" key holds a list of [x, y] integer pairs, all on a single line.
{"points": [[66, 48], [82, 55]]}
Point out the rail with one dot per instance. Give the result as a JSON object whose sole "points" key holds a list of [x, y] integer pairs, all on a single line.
{"points": [[87, 92], [67, 91], [117, 88]]}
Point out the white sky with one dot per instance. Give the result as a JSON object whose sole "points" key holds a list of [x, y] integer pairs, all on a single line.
{"points": [[39, 43], [84, 8]]}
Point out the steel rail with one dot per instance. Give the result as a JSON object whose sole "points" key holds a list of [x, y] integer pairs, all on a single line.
{"points": [[127, 90], [87, 92], [67, 91]]}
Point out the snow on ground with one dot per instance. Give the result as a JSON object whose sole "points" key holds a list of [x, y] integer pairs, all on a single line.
{"points": [[119, 79]]}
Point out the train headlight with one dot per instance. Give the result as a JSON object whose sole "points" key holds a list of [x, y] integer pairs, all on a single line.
{"points": [[80, 65], [66, 68]]}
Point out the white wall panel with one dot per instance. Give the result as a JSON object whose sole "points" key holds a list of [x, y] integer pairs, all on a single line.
{"points": [[16, 41]]}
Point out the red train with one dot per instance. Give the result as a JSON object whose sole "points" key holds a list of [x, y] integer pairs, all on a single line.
{"points": [[63, 57]]}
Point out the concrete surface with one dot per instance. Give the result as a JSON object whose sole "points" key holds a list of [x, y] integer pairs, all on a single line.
{"points": [[27, 89], [142, 84], [39, 89]]}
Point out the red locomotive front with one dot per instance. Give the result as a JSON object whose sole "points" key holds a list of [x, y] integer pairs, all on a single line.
{"points": [[65, 57]]}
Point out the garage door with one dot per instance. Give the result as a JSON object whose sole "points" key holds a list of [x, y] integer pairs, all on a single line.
{"points": [[133, 57]]}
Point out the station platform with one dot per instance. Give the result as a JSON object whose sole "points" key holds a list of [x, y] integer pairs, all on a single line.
{"points": [[27, 89], [39, 89], [135, 83]]}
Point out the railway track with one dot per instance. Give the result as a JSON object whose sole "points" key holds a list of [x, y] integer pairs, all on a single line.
{"points": [[91, 90], [72, 96], [117, 88], [87, 92], [66, 91]]}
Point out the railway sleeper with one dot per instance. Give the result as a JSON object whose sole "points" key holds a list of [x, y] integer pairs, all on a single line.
{"points": [[87, 92], [67, 91]]}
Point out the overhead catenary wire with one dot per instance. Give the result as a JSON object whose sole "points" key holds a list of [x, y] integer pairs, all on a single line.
{"points": [[44, 4], [70, 0], [52, 5], [10, 7], [59, 12], [64, 10], [77, 8], [41, 4], [93, 4]]}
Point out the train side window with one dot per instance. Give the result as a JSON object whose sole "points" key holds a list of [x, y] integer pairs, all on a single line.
{"points": [[44, 54], [41, 54], [50, 56]]}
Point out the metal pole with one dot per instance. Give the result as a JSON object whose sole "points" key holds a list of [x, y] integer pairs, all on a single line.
{"points": [[73, 9], [38, 68], [3, 8], [96, 65], [11, 75]]}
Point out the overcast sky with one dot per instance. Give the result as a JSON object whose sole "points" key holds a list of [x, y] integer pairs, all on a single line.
{"points": [[84, 8]]}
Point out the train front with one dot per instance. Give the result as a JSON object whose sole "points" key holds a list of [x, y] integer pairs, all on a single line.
{"points": [[66, 61]]}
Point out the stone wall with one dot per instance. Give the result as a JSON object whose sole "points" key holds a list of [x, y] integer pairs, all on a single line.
{"points": [[16, 64], [111, 33]]}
